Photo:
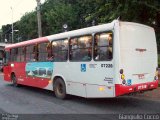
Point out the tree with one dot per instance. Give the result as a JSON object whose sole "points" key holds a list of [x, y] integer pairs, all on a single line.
{"points": [[80, 13], [28, 26]]}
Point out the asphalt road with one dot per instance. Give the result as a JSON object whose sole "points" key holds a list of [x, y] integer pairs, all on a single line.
{"points": [[28, 102]]}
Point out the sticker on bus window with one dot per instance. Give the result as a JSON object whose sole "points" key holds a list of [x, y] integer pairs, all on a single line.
{"points": [[83, 67]]}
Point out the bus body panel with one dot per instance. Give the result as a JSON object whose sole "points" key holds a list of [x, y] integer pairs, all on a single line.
{"points": [[82, 78]]}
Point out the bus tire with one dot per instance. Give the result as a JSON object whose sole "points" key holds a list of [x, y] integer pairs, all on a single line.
{"points": [[14, 80], [59, 88]]}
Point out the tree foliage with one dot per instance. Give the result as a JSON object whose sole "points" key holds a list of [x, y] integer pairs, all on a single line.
{"points": [[81, 13], [28, 26]]}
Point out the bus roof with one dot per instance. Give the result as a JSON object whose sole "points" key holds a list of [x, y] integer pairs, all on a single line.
{"points": [[83, 31], [68, 34], [29, 42]]}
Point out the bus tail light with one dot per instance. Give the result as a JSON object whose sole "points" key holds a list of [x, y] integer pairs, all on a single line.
{"points": [[122, 76]]}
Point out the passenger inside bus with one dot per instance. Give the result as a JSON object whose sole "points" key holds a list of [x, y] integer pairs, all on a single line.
{"points": [[103, 46], [35, 53], [49, 52], [110, 41]]}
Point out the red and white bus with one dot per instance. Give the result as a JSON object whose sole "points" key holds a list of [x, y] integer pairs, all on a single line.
{"points": [[102, 61]]}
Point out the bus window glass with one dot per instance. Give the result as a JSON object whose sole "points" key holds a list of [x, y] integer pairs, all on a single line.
{"points": [[1, 59], [43, 55], [14, 53], [80, 48], [7, 57], [1, 54], [103, 46], [29, 49], [35, 54], [60, 50], [23, 54], [18, 55], [49, 51], [32, 53]]}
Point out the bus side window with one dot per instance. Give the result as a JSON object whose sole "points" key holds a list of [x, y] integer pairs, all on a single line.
{"points": [[7, 56], [81, 48], [49, 52], [32, 52], [44, 49], [27, 53], [60, 50], [13, 55], [19, 54], [35, 52], [1, 54], [23, 55], [103, 46], [16, 54]]}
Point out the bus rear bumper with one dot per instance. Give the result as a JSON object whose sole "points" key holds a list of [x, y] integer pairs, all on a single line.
{"points": [[124, 89]]}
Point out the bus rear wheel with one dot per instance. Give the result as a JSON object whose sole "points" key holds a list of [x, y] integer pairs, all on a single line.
{"points": [[14, 80], [59, 88]]}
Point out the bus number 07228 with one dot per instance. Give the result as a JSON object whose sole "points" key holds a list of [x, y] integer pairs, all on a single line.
{"points": [[106, 65]]}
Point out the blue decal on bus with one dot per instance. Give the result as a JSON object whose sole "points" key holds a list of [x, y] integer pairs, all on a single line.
{"points": [[129, 82], [39, 69], [83, 67]]}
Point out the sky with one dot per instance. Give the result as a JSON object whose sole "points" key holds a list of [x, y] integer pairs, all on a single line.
{"points": [[19, 8]]}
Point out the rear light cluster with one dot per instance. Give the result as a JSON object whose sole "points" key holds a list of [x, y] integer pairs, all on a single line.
{"points": [[122, 76], [156, 74]]}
